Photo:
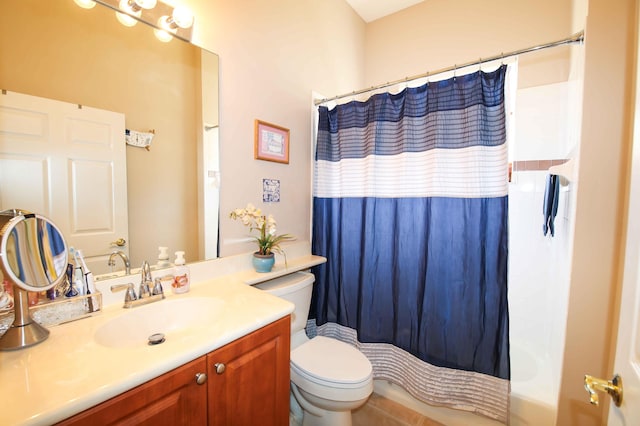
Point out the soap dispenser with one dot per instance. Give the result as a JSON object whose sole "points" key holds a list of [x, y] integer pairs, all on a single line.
{"points": [[181, 280], [163, 258]]}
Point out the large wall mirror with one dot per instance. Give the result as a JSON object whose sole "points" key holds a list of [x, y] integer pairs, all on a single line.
{"points": [[56, 50]]}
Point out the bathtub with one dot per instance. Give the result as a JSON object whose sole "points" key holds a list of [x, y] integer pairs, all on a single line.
{"points": [[534, 391], [531, 397]]}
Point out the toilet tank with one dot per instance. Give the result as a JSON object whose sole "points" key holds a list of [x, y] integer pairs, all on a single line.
{"points": [[297, 289]]}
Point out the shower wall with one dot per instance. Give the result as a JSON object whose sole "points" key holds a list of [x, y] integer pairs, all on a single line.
{"points": [[539, 265]]}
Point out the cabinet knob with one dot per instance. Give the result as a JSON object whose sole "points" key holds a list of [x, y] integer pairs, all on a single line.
{"points": [[201, 378], [219, 367]]}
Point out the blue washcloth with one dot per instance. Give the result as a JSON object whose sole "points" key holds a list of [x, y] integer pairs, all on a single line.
{"points": [[550, 207]]}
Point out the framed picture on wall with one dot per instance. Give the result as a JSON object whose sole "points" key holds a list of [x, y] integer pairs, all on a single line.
{"points": [[271, 142]]}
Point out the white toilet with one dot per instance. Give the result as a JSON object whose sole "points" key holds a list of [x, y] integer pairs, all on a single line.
{"points": [[329, 378]]}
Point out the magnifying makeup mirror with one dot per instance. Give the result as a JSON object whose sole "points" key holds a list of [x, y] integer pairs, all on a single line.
{"points": [[33, 256]]}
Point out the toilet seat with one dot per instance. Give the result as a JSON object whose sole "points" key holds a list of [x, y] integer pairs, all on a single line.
{"points": [[331, 363]]}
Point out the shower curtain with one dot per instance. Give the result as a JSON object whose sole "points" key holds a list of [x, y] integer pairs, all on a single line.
{"points": [[410, 210]]}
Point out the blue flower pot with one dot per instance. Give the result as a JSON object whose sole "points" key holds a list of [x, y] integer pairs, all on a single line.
{"points": [[263, 262]]}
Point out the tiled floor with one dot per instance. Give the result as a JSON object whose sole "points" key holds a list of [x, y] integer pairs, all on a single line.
{"points": [[381, 411]]}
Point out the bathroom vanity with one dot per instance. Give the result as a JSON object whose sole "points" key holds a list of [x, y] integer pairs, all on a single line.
{"points": [[97, 369], [244, 382]]}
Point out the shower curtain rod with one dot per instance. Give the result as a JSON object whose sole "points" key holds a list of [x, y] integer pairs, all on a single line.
{"points": [[576, 38]]}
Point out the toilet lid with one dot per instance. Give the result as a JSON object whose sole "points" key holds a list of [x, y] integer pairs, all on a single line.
{"points": [[332, 361]]}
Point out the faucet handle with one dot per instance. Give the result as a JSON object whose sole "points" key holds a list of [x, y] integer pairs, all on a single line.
{"points": [[144, 290], [130, 295], [157, 288]]}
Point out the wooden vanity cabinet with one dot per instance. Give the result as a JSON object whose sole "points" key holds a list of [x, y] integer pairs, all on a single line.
{"points": [[171, 399], [247, 384], [249, 379]]}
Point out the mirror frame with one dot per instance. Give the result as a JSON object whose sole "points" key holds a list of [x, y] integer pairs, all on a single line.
{"points": [[38, 256]]}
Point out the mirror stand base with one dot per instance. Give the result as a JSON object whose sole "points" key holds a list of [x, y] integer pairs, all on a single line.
{"points": [[24, 331], [18, 337]]}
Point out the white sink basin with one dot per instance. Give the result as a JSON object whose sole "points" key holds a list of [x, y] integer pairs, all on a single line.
{"points": [[171, 317]]}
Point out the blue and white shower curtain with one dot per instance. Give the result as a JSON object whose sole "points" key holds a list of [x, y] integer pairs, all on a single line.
{"points": [[410, 210]]}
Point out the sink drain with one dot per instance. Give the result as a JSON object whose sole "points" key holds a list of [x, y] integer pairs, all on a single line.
{"points": [[156, 339]]}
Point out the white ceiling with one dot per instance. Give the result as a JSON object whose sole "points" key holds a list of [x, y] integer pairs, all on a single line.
{"points": [[370, 10]]}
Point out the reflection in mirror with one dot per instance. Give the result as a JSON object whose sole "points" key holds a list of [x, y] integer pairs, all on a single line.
{"points": [[33, 256], [33, 253], [59, 51]]}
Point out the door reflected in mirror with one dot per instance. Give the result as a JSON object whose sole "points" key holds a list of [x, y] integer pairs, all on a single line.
{"points": [[59, 51]]}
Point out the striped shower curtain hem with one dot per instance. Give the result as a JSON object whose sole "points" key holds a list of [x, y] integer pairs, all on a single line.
{"points": [[462, 390]]}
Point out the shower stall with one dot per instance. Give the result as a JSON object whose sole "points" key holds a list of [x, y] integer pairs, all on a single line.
{"points": [[547, 127]]}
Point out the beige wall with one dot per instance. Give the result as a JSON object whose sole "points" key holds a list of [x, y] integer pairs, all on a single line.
{"points": [[272, 55], [440, 33], [126, 70]]}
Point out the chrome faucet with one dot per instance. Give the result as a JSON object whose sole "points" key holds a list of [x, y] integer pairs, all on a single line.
{"points": [[145, 293], [130, 299], [145, 280], [125, 260]]}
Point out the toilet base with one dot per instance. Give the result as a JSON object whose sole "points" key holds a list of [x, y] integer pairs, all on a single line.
{"points": [[318, 411], [328, 418]]}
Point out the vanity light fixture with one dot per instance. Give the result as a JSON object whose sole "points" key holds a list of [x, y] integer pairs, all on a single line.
{"points": [[85, 4], [181, 17], [168, 21], [133, 8]]}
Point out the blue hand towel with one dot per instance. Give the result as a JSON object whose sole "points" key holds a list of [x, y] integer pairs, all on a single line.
{"points": [[550, 207]]}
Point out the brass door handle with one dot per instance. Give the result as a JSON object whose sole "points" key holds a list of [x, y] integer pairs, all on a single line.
{"points": [[613, 387], [120, 242]]}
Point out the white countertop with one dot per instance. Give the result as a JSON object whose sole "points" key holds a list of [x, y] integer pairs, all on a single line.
{"points": [[70, 371]]}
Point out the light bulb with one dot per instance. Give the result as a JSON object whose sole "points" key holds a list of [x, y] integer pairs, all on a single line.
{"points": [[166, 24], [182, 16], [85, 4], [125, 19], [131, 8], [163, 35]]}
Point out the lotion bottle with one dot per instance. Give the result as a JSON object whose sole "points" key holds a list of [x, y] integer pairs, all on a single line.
{"points": [[181, 281]]}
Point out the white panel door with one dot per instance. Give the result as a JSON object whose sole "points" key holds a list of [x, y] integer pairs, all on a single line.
{"points": [[69, 164]]}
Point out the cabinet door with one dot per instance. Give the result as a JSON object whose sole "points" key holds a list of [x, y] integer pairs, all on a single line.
{"points": [[171, 399], [249, 379]]}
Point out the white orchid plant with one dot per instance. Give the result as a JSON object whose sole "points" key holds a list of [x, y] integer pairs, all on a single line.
{"points": [[253, 217]]}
